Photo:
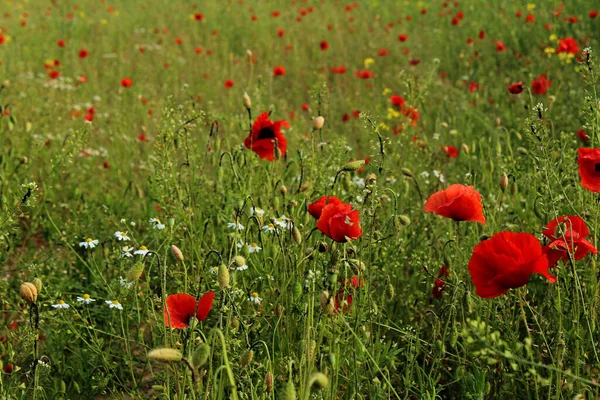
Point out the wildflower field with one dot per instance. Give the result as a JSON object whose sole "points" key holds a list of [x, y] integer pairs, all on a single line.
{"points": [[306, 199]]}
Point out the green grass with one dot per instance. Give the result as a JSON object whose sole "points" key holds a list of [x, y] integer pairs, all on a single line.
{"points": [[63, 180]]}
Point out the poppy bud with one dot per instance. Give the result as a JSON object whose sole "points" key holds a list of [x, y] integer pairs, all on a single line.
{"points": [[465, 148], [24, 160], [311, 350], [247, 101], [297, 290], [245, 251], [304, 187], [371, 179], [290, 391], [407, 172], [177, 253], [135, 272], [522, 150], [353, 165], [297, 235], [165, 354], [324, 299], [404, 220], [503, 182], [276, 203], [223, 276], [323, 247], [29, 292], [346, 183], [239, 261], [37, 282], [159, 388], [318, 123], [391, 291], [246, 358], [269, 381], [201, 355], [283, 190], [220, 173], [320, 380]]}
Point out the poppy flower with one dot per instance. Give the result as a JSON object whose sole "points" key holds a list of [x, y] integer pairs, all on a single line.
{"points": [[440, 284], [583, 136], [126, 82], [364, 74], [530, 18], [402, 38], [339, 222], [593, 14], [500, 46], [324, 45], [264, 135], [457, 202], [567, 45], [61, 43], [589, 168], [506, 261], [516, 88], [280, 32], [451, 151], [182, 307], [397, 101], [198, 17], [53, 74], [481, 35], [278, 71], [83, 53], [383, 52], [567, 235], [540, 84], [228, 84], [316, 207]]}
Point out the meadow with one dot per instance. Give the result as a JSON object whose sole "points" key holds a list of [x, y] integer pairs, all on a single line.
{"points": [[299, 200]]}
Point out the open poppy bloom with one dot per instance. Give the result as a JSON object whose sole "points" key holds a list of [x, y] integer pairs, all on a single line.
{"points": [[589, 168], [451, 151], [568, 45], [506, 261], [516, 88], [340, 222], [569, 239], [316, 208], [457, 202], [265, 134], [540, 84], [181, 307]]}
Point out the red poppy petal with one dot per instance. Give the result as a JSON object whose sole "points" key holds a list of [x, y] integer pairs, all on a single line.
{"points": [[179, 309], [204, 305]]}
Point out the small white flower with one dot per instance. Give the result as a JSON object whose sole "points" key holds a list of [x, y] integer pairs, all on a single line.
{"points": [[268, 228], [391, 179], [61, 304], [242, 268], [236, 226], [240, 244], [254, 298], [85, 299], [283, 222], [358, 181], [89, 243], [214, 270], [157, 224], [121, 236], [142, 251], [124, 283], [254, 248], [126, 252], [114, 304], [257, 211], [123, 221]]}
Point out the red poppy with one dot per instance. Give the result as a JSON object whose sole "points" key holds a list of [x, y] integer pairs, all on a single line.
{"points": [[540, 84], [182, 306], [264, 135], [482, 35], [402, 37], [278, 71], [506, 261], [500, 46], [338, 70], [54, 74], [228, 84], [1, 39], [567, 235], [518, 14], [583, 136], [397, 101], [126, 82], [530, 18], [516, 88], [589, 168], [440, 283], [340, 222], [383, 52], [567, 45], [316, 207], [364, 74], [61, 43], [593, 14], [198, 17], [83, 53], [414, 61], [280, 32], [324, 45], [451, 151], [457, 202], [305, 107]]}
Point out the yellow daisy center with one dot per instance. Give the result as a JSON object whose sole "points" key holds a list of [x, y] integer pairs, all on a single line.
{"points": [[143, 248], [86, 296], [61, 302], [89, 240], [255, 295], [115, 302]]}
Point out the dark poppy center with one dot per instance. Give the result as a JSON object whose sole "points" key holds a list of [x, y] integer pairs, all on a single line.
{"points": [[597, 167], [266, 133]]}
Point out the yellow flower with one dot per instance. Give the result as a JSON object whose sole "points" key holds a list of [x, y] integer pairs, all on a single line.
{"points": [[382, 126], [393, 113], [530, 7], [553, 38], [369, 62], [549, 51], [386, 91]]}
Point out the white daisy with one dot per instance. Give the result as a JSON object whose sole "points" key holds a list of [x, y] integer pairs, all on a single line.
{"points": [[142, 251], [126, 251], [242, 268], [157, 224], [214, 270], [61, 304], [235, 225], [85, 299], [89, 243], [268, 228], [254, 248], [124, 283], [283, 222], [121, 236], [123, 221], [257, 211], [254, 298], [114, 304]]}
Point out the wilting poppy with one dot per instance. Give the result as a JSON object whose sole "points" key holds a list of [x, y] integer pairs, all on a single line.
{"points": [[278, 71], [264, 135], [126, 82], [182, 307], [440, 284], [316, 207], [451, 151], [457, 202], [340, 222], [516, 88], [506, 261], [589, 168], [540, 84], [567, 235]]}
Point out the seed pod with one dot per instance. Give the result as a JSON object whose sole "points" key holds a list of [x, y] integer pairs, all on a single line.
{"points": [[177, 253], [320, 380], [283, 190], [290, 391], [465, 148], [159, 388], [276, 203], [297, 235], [37, 282], [390, 291], [297, 290], [503, 182], [404, 220], [353, 165], [346, 182], [269, 381], [311, 350], [29, 292], [165, 354], [318, 123], [247, 102], [407, 172], [201, 355], [246, 358], [223, 276], [135, 272]]}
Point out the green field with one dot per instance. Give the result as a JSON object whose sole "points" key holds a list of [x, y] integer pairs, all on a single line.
{"points": [[299, 200]]}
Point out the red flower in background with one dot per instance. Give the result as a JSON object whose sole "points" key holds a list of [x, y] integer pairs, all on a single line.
{"points": [[278, 71], [126, 82], [440, 284], [83, 53], [198, 17], [383, 52], [229, 84], [506, 261], [364, 74], [593, 14], [402, 38], [516, 88], [530, 18], [583, 136], [589, 168], [182, 307], [340, 222], [280, 32], [264, 135], [567, 45], [500, 46], [61, 43], [540, 84], [457, 202], [451, 151], [316, 207], [567, 235], [324, 45], [397, 101], [54, 74]]}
